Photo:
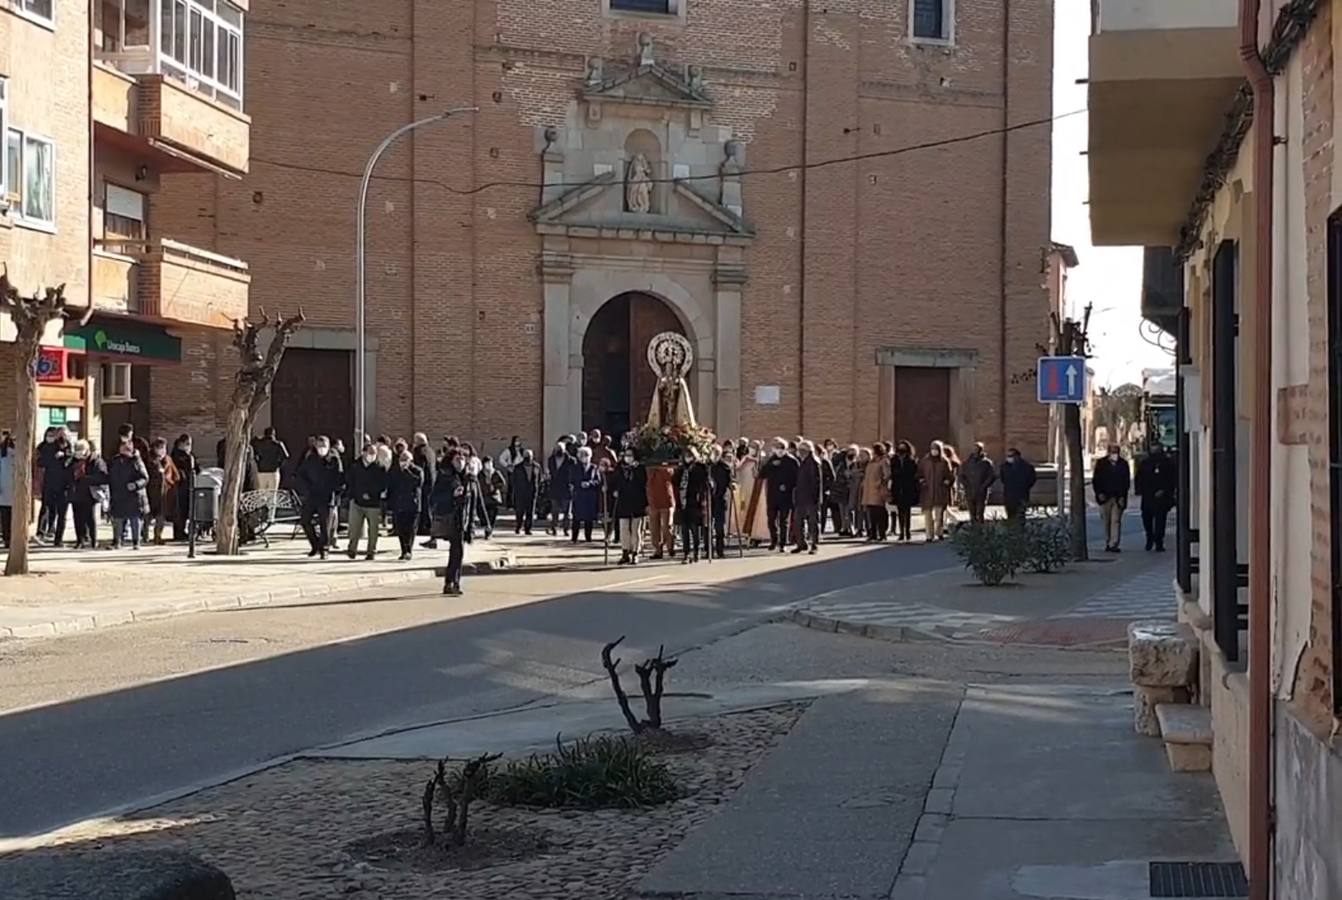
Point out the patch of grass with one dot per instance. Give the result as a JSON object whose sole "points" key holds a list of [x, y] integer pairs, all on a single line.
{"points": [[591, 773]]}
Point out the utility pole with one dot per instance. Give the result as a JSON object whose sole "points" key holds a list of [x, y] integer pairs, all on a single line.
{"points": [[1071, 341]]}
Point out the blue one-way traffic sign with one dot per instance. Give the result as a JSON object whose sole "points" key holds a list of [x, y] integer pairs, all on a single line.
{"points": [[1062, 379]]}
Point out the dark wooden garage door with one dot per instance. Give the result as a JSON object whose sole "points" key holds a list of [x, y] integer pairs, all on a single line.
{"points": [[922, 406], [313, 394]]}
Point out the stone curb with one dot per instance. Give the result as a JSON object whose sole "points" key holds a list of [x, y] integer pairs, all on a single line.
{"points": [[891, 633], [168, 608]]}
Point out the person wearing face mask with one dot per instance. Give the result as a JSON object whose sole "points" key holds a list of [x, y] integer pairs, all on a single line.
{"points": [[1111, 479], [127, 481], [405, 489], [693, 487], [780, 474], [1018, 477], [661, 511], [492, 487], [455, 496], [813, 471], [904, 488], [722, 474], [559, 467], [163, 481], [586, 484], [838, 491], [977, 475], [53, 467], [427, 462], [88, 489], [858, 460], [187, 467], [1157, 484], [935, 482], [366, 483], [876, 493], [319, 478], [629, 483], [525, 483]]}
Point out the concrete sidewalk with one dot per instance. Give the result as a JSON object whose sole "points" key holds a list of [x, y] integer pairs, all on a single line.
{"points": [[73, 591], [917, 792]]}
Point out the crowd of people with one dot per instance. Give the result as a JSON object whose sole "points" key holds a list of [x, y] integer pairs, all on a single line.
{"points": [[784, 494]]}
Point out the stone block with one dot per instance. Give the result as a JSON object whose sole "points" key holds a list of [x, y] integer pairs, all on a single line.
{"points": [[1144, 702], [1162, 654], [113, 875], [1189, 757]]}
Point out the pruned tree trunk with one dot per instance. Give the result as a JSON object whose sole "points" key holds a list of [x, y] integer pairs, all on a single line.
{"points": [[256, 374], [30, 315], [1076, 478]]}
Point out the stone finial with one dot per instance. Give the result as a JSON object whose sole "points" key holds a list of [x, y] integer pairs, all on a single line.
{"points": [[595, 72], [694, 77], [645, 57]]}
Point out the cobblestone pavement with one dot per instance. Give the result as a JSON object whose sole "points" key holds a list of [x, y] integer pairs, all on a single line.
{"points": [[1145, 596], [284, 834]]}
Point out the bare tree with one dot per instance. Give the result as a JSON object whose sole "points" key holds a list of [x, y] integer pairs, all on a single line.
{"points": [[457, 790], [256, 374], [651, 678], [31, 315], [1071, 339]]}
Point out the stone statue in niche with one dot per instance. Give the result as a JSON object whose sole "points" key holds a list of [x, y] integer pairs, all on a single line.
{"points": [[694, 77], [731, 164], [645, 57], [638, 185], [729, 185], [595, 72]]}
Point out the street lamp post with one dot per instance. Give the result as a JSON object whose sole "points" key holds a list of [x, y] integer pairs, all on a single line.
{"points": [[361, 218]]}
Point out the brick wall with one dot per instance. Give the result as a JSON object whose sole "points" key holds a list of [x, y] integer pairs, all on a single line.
{"points": [[905, 250]]}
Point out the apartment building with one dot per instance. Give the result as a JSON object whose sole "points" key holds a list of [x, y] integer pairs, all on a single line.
{"points": [[831, 280], [104, 103], [1234, 184]]}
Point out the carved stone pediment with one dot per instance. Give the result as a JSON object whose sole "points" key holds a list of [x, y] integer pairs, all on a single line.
{"points": [[650, 85], [594, 209]]}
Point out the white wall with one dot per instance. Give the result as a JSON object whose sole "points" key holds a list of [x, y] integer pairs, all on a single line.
{"points": [[1138, 15]]}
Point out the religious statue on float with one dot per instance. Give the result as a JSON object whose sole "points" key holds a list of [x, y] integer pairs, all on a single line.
{"points": [[671, 357]]}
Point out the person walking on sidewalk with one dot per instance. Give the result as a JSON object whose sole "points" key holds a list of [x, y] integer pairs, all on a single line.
{"points": [[88, 491], [53, 467], [780, 477], [525, 479], [127, 481], [876, 493], [559, 467], [722, 473], [936, 480], [629, 482], [585, 486], [162, 490], [427, 462], [1111, 480], [904, 488], [320, 479], [456, 494], [365, 485], [1157, 484], [188, 468], [271, 455], [661, 511], [976, 477], [813, 471], [493, 487], [1018, 477], [405, 489]]}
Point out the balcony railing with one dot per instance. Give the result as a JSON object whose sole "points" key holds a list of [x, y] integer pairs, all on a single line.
{"points": [[171, 281], [196, 42]]}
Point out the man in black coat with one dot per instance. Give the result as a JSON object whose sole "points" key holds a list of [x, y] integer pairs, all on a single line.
{"points": [[723, 474], [320, 478], [1111, 480], [813, 473], [405, 486], [271, 455], [54, 461], [427, 461], [524, 484], [780, 477], [629, 484], [693, 495], [365, 485], [455, 497], [1018, 477], [1157, 484]]}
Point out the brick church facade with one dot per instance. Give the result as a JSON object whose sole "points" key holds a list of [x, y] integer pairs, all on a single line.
{"points": [[830, 281]]}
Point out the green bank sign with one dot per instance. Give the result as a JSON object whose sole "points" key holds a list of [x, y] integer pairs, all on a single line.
{"points": [[126, 340]]}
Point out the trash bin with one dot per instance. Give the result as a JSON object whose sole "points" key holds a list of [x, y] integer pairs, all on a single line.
{"points": [[205, 498]]}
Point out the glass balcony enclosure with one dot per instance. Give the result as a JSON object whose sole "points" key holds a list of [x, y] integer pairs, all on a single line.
{"points": [[195, 42]]}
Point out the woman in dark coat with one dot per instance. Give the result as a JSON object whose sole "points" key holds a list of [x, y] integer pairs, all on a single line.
{"points": [[405, 489], [187, 470], [904, 488], [524, 482], [585, 485], [128, 481], [455, 497], [88, 485], [629, 484], [163, 479]]}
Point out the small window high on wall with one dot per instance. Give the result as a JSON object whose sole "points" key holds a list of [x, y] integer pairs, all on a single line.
{"points": [[124, 214], [662, 7], [932, 20]]}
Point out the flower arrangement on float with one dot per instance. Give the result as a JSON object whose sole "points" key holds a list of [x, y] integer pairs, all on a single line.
{"points": [[667, 444]]}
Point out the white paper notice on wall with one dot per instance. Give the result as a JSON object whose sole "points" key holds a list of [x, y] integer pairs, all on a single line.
{"points": [[767, 395]]}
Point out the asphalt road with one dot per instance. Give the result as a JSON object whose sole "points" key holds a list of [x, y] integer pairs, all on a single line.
{"points": [[92, 723]]}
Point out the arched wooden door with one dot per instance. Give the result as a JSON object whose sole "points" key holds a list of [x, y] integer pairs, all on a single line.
{"points": [[617, 383]]}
